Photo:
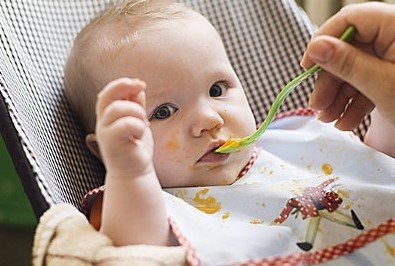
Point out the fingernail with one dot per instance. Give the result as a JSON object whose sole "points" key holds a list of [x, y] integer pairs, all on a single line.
{"points": [[321, 51], [310, 105], [302, 62], [140, 82]]}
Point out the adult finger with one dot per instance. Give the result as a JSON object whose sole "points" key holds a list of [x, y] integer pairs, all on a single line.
{"points": [[352, 65], [357, 109], [338, 105], [325, 90], [374, 23]]}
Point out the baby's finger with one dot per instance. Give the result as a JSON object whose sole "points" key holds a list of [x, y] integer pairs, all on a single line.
{"points": [[325, 91], [358, 108], [327, 84], [353, 66], [120, 89], [119, 109], [339, 104], [128, 128]]}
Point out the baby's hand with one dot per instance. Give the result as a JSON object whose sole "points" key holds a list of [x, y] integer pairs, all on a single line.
{"points": [[122, 128]]}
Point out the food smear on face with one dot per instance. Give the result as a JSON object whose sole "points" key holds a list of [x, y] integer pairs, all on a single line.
{"points": [[207, 205], [172, 143], [327, 168]]}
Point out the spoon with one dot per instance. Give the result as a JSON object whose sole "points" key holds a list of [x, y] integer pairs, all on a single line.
{"points": [[236, 144]]}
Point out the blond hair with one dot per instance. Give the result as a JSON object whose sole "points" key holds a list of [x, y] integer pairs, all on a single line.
{"points": [[98, 43]]}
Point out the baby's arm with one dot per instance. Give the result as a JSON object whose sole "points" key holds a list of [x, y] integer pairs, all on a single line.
{"points": [[133, 209]]}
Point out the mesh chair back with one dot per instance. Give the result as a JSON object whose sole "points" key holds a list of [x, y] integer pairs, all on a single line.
{"points": [[264, 40]]}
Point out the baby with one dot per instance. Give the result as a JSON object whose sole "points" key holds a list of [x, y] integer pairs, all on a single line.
{"points": [[153, 87], [195, 102]]}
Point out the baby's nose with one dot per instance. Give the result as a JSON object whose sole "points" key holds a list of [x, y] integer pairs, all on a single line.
{"points": [[206, 120]]}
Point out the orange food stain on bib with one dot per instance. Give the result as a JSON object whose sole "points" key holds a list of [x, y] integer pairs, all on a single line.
{"points": [[390, 250], [327, 168], [344, 193], [208, 205], [225, 215], [256, 221]]}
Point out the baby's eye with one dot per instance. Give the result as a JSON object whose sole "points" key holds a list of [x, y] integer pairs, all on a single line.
{"points": [[163, 111], [218, 89]]}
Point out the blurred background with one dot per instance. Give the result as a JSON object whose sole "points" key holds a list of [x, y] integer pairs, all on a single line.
{"points": [[17, 221], [321, 10]]}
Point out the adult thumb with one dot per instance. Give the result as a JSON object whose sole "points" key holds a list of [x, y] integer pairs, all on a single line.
{"points": [[365, 72]]}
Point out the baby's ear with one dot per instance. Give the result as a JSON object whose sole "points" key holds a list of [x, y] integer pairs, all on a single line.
{"points": [[92, 144]]}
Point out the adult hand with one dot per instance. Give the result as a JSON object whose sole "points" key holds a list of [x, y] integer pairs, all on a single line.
{"points": [[360, 75]]}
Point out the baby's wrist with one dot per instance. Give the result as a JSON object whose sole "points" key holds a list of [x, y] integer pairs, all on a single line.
{"points": [[131, 173]]}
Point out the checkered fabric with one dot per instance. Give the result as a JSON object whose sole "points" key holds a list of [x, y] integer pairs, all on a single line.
{"points": [[265, 41]]}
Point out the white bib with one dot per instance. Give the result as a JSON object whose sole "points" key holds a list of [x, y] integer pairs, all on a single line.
{"points": [[235, 223]]}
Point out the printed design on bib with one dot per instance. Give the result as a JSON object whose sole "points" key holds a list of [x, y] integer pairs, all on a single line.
{"points": [[207, 205], [316, 203]]}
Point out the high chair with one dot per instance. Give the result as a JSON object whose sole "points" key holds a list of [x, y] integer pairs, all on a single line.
{"points": [[264, 39]]}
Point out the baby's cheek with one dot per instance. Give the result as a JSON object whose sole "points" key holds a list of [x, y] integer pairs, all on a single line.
{"points": [[240, 119], [167, 151], [166, 143]]}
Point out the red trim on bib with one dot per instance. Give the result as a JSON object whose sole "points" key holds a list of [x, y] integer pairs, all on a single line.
{"points": [[328, 253], [190, 252], [250, 162], [296, 112], [89, 198]]}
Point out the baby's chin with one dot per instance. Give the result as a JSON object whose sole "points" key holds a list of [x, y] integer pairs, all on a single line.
{"points": [[221, 178], [212, 176], [201, 181]]}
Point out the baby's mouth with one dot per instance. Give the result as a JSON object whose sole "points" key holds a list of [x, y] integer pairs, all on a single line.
{"points": [[211, 156]]}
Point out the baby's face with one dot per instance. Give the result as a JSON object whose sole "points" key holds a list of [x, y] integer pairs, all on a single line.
{"points": [[195, 101]]}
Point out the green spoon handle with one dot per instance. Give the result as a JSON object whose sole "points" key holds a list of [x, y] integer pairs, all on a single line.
{"points": [[346, 36]]}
